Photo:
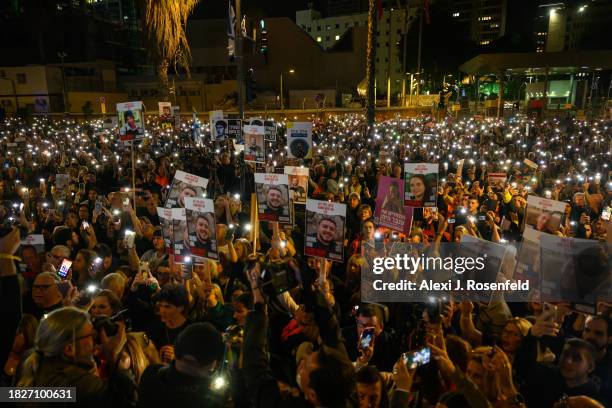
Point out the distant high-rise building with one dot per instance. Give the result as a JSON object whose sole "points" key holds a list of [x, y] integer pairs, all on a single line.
{"points": [[486, 18], [573, 25], [328, 31]]}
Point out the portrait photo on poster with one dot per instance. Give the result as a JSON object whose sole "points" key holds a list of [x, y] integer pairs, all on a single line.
{"points": [[421, 184], [272, 197], [298, 183], [254, 146], [325, 226], [201, 227], [185, 185]]}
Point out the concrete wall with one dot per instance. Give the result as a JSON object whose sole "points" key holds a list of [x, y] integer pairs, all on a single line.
{"points": [[291, 48], [78, 99]]}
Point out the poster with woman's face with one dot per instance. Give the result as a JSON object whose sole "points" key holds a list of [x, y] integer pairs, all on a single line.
{"points": [[185, 185], [325, 223], [201, 227], [390, 204], [421, 184]]}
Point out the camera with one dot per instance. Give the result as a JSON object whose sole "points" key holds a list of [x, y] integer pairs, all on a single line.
{"points": [[110, 323], [278, 277]]}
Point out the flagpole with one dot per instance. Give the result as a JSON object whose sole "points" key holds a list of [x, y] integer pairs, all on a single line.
{"points": [[418, 85], [239, 62]]}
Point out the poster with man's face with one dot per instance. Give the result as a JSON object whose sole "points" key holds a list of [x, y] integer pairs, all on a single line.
{"points": [[254, 144], [421, 184], [214, 116], [165, 218], [131, 121], [165, 115], [272, 197], [543, 215], [201, 227], [180, 239], [185, 185], [299, 140], [298, 183], [220, 129], [325, 222]]}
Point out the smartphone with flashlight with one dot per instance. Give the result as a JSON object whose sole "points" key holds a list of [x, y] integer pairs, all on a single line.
{"points": [[229, 233], [143, 269], [98, 207], [605, 214], [417, 358], [64, 268], [368, 335], [129, 239], [85, 225]]}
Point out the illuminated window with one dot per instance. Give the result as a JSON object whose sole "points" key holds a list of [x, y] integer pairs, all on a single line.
{"points": [[485, 42], [319, 39], [455, 14], [337, 37]]}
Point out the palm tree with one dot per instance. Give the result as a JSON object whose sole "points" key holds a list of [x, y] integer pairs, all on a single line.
{"points": [[166, 21], [371, 58]]}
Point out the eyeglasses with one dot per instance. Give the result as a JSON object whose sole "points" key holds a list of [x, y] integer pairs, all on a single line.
{"points": [[41, 287]]}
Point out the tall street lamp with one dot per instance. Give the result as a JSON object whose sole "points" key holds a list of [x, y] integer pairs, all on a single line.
{"points": [[282, 104]]}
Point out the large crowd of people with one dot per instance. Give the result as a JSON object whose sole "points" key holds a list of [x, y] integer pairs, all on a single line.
{"points": [[125, 334]]}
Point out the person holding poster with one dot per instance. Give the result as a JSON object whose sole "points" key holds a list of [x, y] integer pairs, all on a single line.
{"points": [[185, 185], [298, 183], [272, 197], [421, 183], [299, 140], [325, 229], [254, 149], [201, 227]]}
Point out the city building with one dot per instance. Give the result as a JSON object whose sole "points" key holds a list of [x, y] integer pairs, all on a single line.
{"points": [[391, 26], [78, 30], [42, 88], [486, 18], [573, 25]]}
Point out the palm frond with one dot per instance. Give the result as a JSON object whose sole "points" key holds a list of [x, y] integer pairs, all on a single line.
{"points": [[166, 22]]}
